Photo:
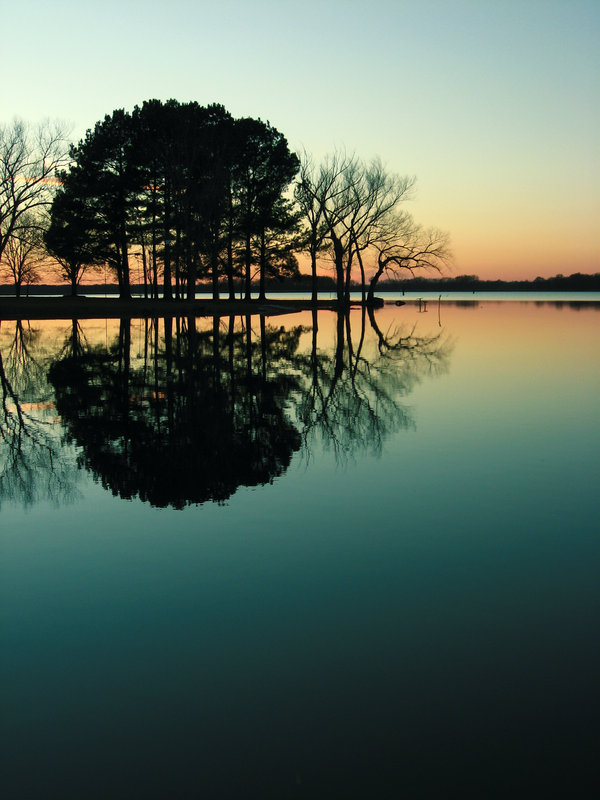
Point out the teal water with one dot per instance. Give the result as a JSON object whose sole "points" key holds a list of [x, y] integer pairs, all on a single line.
{"points": [[239, 562]]}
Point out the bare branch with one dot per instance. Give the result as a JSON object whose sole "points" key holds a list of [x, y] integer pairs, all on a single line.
{"points": [[29, 161]]}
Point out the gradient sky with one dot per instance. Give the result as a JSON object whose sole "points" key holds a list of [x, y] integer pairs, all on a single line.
{"points": [[493, 104]]}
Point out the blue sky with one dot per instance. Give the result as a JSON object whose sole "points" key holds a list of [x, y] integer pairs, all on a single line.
{"points": [[493, 105]]}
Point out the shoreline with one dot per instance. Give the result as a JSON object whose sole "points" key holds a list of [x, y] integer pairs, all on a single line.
{"points": [[13, 308], [89, 307]]}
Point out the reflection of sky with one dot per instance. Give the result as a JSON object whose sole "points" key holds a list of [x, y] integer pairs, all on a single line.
{"points": [[521, 390], [494, 106], [344, 625], [515, 424]]}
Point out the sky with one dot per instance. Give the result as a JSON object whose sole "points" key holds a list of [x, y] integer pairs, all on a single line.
{"points": [[494, 105]]}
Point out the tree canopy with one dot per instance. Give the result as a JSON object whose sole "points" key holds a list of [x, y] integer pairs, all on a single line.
{"points": [[193, 192], [179, 193]]}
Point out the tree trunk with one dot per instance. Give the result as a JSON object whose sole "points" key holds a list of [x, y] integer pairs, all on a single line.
{"points": [[373, 284], [125, 285], [154, 237], [362, 275], [145, 270], [348, 277], [313, 272], [338, 252], [263, 266], [247, 276], [214, 267], [230, 285], [177, 262], [167, 289], [191, 277]]}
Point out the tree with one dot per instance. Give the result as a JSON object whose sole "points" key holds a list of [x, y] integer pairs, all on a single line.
{"points": [[71, 236], [23, 254], [107, 180], [149, 138], [312, 188], [264, 169], [192, 187], [184, 202], [402, 244], [346, 203], [201, 144], [29, 160], [277, 243]]}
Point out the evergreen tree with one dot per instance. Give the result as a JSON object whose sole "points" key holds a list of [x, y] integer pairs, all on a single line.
{"points": [[197, 190], [71, 237], [264, 170], [109, 180]]}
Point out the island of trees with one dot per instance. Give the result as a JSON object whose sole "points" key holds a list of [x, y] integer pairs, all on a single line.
{"points": [[173, 196]]}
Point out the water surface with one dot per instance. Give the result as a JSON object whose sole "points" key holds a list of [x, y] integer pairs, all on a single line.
{"points": [[245, 559]]}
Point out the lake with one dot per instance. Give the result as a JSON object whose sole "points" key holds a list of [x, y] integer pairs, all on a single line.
{"points": [[304, 556]]}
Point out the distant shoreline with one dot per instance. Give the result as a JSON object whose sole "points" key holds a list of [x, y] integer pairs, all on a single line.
{"points": [[577, 282]]}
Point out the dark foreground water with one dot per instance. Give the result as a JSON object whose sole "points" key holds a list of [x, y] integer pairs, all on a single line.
{"points": [[240, 559]]}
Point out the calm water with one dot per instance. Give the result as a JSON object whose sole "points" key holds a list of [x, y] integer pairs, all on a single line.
{"points": [[243, 559]]}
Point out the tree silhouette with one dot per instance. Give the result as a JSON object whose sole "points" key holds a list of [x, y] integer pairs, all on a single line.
{"points": [[29, 159], [345, 203], [105, 179], [191, 191], [263, 170], [403, 246], [23, 254], [72, 238]]}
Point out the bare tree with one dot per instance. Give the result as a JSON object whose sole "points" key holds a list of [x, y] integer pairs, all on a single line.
{"points": [[323, 199], [23, 255], [29, 160], [345, 203], [313, 187], [373, 198], [403, 245]]}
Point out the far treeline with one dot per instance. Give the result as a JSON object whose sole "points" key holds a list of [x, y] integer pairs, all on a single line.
{"points": [[577, 282], [186, 195]]}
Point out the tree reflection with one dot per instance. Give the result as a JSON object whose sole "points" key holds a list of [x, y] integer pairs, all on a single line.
{"points": [[203, 414], [33, 464], [352, 402], [180, 411]]}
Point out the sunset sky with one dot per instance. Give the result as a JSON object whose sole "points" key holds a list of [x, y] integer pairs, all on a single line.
{"points": [[493, 104]]}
